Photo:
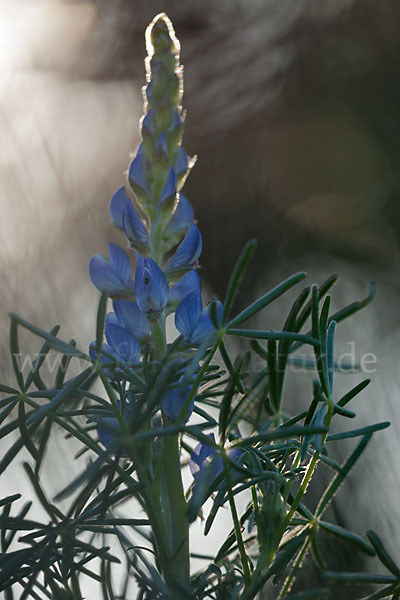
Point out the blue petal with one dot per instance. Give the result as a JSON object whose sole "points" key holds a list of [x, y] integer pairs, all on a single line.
{"points": [[149, 91], [136, 171], [187, 252], [123, 342], [112, 319], [107, 430], [188, 283], [182, 163], [188, 314], [204, 327], [151, 287], [162, 143], [173, 402], [182, 218], [199, 455], [147, 122], [134, 228], [176, 120], [130, 316], [120, 263], [103, 275], [103, 358], [170, 187], [117, 205]]}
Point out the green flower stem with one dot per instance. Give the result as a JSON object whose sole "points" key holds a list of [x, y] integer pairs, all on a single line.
{"points": [[290, 578], [171, 485], [178, 509], [310, 469], [236, 522]]}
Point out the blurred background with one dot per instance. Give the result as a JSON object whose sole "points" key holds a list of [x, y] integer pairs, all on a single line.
{"points": [[294, 113]]}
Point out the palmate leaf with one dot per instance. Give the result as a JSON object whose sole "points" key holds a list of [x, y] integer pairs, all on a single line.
{"points": [[33, 375], [52, 341]]}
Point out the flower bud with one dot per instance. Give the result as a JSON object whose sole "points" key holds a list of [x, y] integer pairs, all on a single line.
{"points": [[269, 522]]}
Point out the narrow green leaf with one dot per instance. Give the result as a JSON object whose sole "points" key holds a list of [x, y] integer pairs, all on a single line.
{"points": [[12, 452], [338, 479], [28, 442], [285, 345], [383, 554], [225, 409], [352, 393], [330, 353], [15, 353], [4, 414], [309, 595], [354, 307], [344, 412], [284, 556], [62, 369], [9, 499], [22, 523], [386, 592], [8, 390], [229, 365], [100, 320], [274, 335], [272, 361], [51, 510], [358, 577], [269, 297], [44, 437], [322, 290], [237, 277], [349, 536], [279, 433], [39, 360], [342, 435], [316, 554]]}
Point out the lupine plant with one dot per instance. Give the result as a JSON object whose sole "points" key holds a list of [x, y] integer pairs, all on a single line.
{"points": [[150, 405]]}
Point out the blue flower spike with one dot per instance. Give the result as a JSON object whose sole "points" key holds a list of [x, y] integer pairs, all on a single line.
{"points": [[113, 276], [151, 288]]}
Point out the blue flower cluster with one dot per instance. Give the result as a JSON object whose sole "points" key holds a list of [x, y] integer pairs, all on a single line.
{"points": [[158, 222]]}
